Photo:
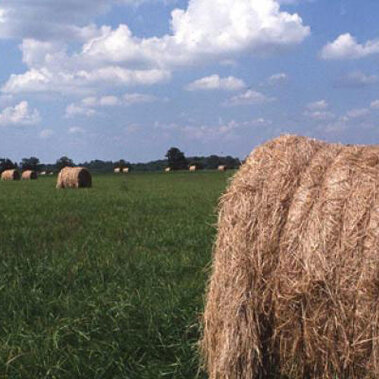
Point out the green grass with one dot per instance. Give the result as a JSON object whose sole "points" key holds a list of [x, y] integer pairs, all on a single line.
{"points": [[105, 282]]}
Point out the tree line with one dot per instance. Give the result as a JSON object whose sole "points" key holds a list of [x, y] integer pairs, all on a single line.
{"points": [[174, 158]]}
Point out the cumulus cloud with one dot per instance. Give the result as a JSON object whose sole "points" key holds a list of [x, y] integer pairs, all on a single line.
{"points": [[71, 81], [138, 98], [215, 82], [276, 79], [73, 110], [357, 79], [320, 115], [318, 110], [358, 113], [86, 106], [374, 104], [248, 97], [76, 130], [19, 115], [347, 47], [318, 105], [205, 29]]}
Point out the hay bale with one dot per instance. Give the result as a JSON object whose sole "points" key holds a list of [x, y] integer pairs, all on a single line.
{"points": [[221, 168], [9, 175], [167, 169], [193, 168], [295, 289], [43, 173], [29, 175], [117, 170], [74, 177], [125, 170]]}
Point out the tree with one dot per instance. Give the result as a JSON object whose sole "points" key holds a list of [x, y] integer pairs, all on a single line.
{"points": [[6, 164], [122, 164], [213, 162], [63, 162], [31, 163], [176, 159]]}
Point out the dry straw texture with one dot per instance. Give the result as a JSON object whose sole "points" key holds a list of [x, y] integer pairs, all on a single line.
{"points": [[295, 285], [8, 175], [221, 168], [29, 175], [74, 177]]}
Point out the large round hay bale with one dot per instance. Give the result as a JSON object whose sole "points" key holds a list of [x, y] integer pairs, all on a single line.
{"points": [[193, 168], [74, 177], [29, 175], [117, 170], [221, 168], [9, 175], [295, 283], [125, 170]]}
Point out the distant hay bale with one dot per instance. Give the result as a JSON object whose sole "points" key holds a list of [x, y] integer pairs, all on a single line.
{"points": [[167, 169], [193, 168], [51, 173], [43, 173], [117, 170], [9, 175], [29, 175], [295, 285], [221, 168], [125, 170], [74, 177]]}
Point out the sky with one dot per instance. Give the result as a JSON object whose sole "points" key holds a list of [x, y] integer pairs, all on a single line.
{"points": [[112, 79]]}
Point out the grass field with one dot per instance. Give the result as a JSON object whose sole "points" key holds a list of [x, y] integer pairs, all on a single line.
{"points": [[106, 282]]}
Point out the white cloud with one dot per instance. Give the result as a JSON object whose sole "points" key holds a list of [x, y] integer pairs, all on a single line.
{"points": [[318, 110], [138, 98], [375, 104], [358, 113], [205, 29], [318, 105], [347, 47], [46, 133], [76, 130], [320, 115], [225, 130], [70, 81], [277, 79], [73, 110], [19, 115], [86, 106], [357, 79], [90, 101], [248, 97], [215, 82], [109, 101]]}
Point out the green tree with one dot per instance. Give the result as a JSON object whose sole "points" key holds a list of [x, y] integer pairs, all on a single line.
{"points": [[31, 163], [64, 162], [176, 159], [6, 164]]}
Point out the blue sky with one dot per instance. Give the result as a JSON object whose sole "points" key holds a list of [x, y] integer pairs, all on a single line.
{"points": [[111, 79]]}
